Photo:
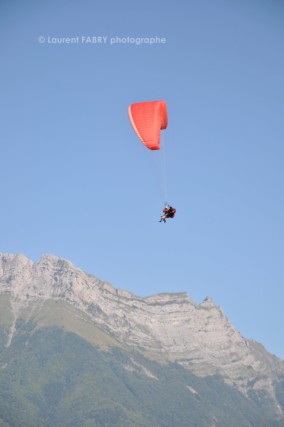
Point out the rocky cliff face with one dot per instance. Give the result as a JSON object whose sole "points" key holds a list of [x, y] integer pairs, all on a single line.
{"points": [[167, 326]]}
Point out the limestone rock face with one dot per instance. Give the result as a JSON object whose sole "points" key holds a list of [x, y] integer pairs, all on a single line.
{"points": [[165, 326]]}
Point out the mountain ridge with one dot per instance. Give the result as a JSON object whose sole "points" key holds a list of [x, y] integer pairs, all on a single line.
{"points": [[166, 326]]}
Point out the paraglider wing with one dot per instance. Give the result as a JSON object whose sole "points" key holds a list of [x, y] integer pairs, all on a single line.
{"points": [[147, 119]]}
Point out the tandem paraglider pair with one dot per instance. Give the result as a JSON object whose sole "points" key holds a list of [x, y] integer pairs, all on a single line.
{"points": [[148, 119], [169, 212]]}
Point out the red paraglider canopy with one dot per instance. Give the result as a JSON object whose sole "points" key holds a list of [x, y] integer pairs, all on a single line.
{"points": [[147, 119]]}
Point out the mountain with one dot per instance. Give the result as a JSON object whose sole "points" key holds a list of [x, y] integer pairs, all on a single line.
{"points": [[69, 340]]}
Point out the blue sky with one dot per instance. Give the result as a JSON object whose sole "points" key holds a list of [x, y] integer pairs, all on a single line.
{"points": [[77, 183]]}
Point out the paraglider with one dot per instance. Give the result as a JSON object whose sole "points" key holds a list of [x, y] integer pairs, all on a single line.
{"points": [[169, 212], [148, 119]]}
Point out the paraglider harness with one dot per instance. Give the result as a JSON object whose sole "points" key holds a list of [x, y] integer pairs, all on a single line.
{"points": [[169, 212]]}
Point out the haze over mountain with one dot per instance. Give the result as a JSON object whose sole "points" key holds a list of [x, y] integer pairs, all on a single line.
{"points": [[152, 337]]}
